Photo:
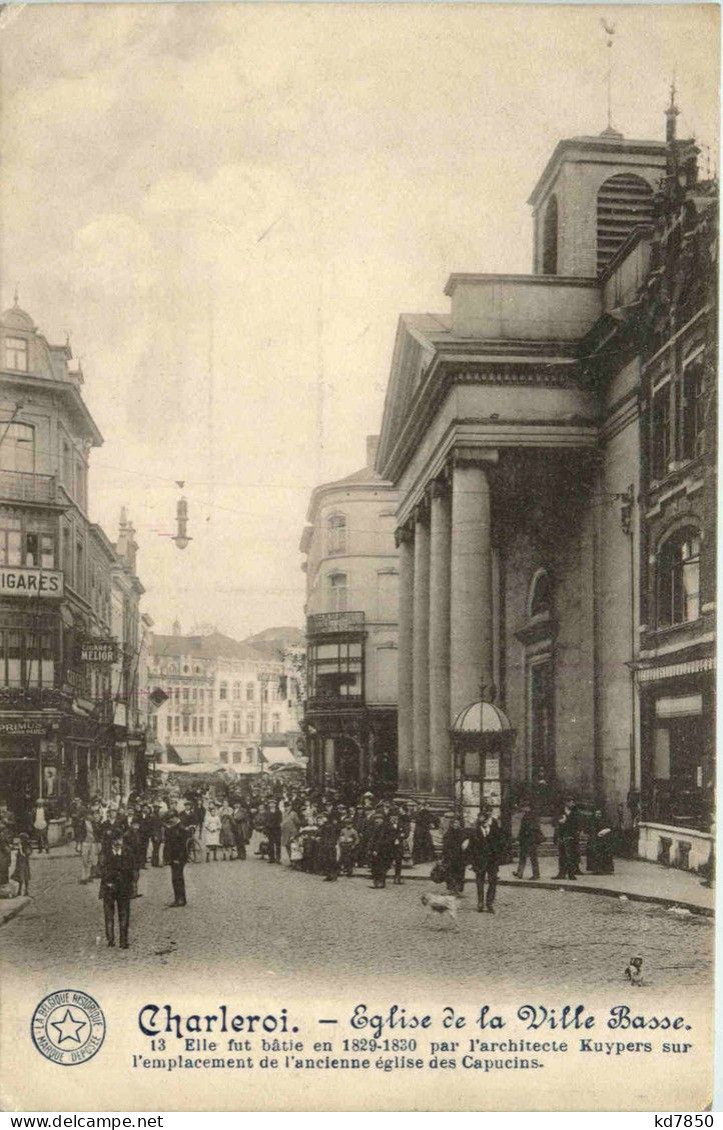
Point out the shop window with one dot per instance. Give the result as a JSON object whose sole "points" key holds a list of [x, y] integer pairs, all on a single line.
{"points": [[692, 424], [16, 354], [679, 577], [336, 533]]}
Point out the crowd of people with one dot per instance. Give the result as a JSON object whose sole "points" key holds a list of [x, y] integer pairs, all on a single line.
{"points": [[286, 822]]}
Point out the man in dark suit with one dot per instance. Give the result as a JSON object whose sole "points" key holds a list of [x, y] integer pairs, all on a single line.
{"points": [[567, 834], [381, 849], [530, 836], [453, 861], [176, 849], [485, 848], [116, 887], [157, 830]]}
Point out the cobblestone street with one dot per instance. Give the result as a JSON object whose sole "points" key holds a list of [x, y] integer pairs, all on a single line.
{"points": [[269, 925]]}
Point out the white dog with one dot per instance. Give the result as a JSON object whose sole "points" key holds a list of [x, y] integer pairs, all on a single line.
{"points": [[441, 908]]}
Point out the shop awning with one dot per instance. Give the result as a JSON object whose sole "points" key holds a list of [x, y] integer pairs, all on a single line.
{"points": [[200, 767], [277, 755], [191, 754]]}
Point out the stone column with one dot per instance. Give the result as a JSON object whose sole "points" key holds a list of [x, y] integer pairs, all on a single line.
{"points": [[440, 548], [405, 709], [471, 584], [421, 651]]}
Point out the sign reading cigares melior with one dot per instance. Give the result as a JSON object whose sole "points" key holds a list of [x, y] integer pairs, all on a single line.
{"points": [[98, 651]]}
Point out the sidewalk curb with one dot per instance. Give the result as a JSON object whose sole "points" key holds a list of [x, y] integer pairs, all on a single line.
{"points": [[8, 915], [582, 888]]}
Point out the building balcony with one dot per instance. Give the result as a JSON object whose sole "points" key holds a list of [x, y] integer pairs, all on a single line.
{"points": [[34, 698], [328, 623], [22, 486], [330, 700]]}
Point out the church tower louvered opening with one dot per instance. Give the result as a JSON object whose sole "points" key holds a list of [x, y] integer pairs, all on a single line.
{"points": [[623, 202]]}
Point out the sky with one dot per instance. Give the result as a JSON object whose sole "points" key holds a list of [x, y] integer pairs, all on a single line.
{"points": [[227, 207]]}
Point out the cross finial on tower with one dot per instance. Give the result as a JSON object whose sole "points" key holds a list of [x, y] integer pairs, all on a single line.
{"points": [[671, 113], [16, 299], [609, 30]]}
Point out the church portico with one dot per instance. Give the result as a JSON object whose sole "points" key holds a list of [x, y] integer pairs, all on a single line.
{"points": [[492, 528]]}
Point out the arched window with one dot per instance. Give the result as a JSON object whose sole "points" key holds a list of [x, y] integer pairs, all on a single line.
{"points": [[679, 577], [338, 592], [549, 238], [336, 533], [540, 599], [623, 202]]}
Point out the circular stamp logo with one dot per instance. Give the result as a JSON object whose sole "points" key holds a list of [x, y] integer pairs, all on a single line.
{"points": [[68, 1027]]}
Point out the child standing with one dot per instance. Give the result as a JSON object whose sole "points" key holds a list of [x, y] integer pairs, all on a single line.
{"points": [[21, 874]]}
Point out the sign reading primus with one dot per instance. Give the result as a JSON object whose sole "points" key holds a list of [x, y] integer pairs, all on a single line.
{"points": [[34, 726], [31, 582], [98, 651]]}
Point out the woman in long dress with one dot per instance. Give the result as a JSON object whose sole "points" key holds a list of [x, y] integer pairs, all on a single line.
{"points": [[289, 830], [212, 833], [88, 849], [228, 838]]}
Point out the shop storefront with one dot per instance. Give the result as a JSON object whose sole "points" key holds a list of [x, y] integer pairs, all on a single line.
{"points": [[678, 767]]}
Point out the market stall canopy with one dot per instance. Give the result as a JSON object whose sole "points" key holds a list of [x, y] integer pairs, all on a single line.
{"points": [[481, 718]]}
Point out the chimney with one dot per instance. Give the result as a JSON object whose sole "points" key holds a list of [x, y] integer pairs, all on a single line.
{"points": [[372, 446]]}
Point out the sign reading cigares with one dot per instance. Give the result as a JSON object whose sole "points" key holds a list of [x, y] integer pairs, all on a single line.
{"points": [[98, 651], [30, 582]]}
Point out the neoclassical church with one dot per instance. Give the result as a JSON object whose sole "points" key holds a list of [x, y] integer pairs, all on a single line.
{"points": [[551, 439]]}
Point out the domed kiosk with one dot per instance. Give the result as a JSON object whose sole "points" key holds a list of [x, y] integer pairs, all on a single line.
{"points": [[482, 741]]}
